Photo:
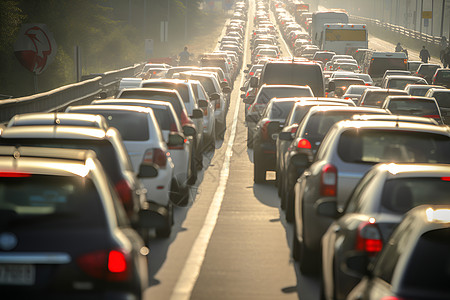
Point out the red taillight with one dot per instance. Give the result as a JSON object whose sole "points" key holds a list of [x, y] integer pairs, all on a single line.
{"points": [[14, 174], [125, 191], [445, 178], [111, 266], [328, 181], [368, 238], [431, 116], [157, 156], [252, 73], [304, 144], [264, 130], [218, 103]]}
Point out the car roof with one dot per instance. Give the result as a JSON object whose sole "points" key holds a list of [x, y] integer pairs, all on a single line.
{"points": [[290, 86], [65, 119], [149, 89], [417, 169], [51, 131], [409, 97], [127, 100], [111, 107], [404, 77], [402, 118], [394, 125], [355, 109]]}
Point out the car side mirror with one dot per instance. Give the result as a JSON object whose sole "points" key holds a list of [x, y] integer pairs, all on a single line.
{"points": [[202, 103], [175, 140], [214, 97], [254, 81], [249, 99], [189, 130], [197, 114], [147, 170], [327, 208], [226, 89], [285, 136], [224, 84]]}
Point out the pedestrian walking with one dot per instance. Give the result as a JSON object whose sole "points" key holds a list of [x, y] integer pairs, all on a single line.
{"points": [[442, 45], [424, 55]]}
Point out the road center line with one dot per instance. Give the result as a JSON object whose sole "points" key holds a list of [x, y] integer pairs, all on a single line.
{"points": [[191, 270]]}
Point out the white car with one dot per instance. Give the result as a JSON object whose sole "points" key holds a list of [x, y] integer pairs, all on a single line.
{"points": [[209, 118], [168, 122], [143, 145], [216, 93]]}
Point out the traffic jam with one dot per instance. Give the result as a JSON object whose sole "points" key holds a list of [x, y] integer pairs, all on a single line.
{"points": [[355, 143]]}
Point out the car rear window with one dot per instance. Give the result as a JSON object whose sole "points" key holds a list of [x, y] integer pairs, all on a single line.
{"points": [[427, 70], [298, 74], [402, 194], [281, 92], [280, 109], [376, 98], [400, 84], [443, 75], [379, 65], [413, 107], [380, 146], [428, 270], [207, 83], [181, 88], [50, 201], [163, 117], [147, 95], [442, 98]]}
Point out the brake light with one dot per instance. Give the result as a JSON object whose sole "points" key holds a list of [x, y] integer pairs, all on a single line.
{"points": [[264, 130], [108, 265], [304, 144], [218, 103], [368, 238], [445, 178], [125, 193], [431, 116], [328, 181], [14, 174], [157, 156]]}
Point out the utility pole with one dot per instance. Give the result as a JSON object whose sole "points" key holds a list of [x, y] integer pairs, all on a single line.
{"points": [[185, 22]]}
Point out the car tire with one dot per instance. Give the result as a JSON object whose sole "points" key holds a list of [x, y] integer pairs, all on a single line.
{"points": [[249, 138], [193, 172], [167, 230], [295, 246], [307, 259], [289, 205], [259, 171]]}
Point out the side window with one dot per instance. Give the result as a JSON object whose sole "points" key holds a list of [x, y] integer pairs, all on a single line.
{"points": [[355, 202]]}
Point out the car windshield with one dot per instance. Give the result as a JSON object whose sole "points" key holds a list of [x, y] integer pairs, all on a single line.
{"points": [[282, 92], [50, 201], [377, 146], [402, 194]]}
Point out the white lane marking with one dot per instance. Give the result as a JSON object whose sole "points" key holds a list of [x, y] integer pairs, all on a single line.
{"points": [[191, 270]]}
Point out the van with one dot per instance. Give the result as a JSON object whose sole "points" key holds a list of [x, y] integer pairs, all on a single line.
{"points": [[376, 63], [294, 73]]}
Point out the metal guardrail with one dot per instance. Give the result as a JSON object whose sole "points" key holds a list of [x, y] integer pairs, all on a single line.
{"points": [[409, 33], [58, 99]]}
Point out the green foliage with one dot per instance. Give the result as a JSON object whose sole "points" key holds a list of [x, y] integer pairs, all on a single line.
{"points": [[110, 34]]}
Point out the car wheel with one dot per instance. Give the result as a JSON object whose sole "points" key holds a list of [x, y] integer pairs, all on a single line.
{"points": [[167, 230], [307, 260], [259, 171], [249, 138], [289, 205], [279, 183]]}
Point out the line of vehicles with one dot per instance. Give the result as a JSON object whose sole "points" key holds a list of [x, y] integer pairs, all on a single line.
{"points": [[359, 141], [83, 191]]}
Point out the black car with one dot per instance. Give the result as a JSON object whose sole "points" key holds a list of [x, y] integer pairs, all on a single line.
{"points": [[64, 233]]}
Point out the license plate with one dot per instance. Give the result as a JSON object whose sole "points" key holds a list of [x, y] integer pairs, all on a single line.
{"points": [[17, 274]]}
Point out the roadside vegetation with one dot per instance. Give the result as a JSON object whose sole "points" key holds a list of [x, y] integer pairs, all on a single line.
{"points": [[109, 33]]}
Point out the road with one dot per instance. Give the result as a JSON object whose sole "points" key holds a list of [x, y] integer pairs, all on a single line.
{"points": [[233, 241]]}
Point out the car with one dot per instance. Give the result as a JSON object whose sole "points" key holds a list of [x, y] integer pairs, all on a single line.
{"points": [[441, 77], [182, 156], [186, 92], [396, 72], [109, 148], [344, 74], [413, 65], [174, 70], [375, 208], [310, 133], [58, 118], [354, 92], [413, 106], [347, 152], [395, 118], [376, 63], [350, 67], [143, 146], [266, 92], [132, 82], [414, 262], [399, 82], [427, 71], [442, 97], [216, 94], [337, 86], [375, 97], [420, 89], [264, 139], [65, 229]]}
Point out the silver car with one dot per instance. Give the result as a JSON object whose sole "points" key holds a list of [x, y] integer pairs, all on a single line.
{"points": [[347, 152]]}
